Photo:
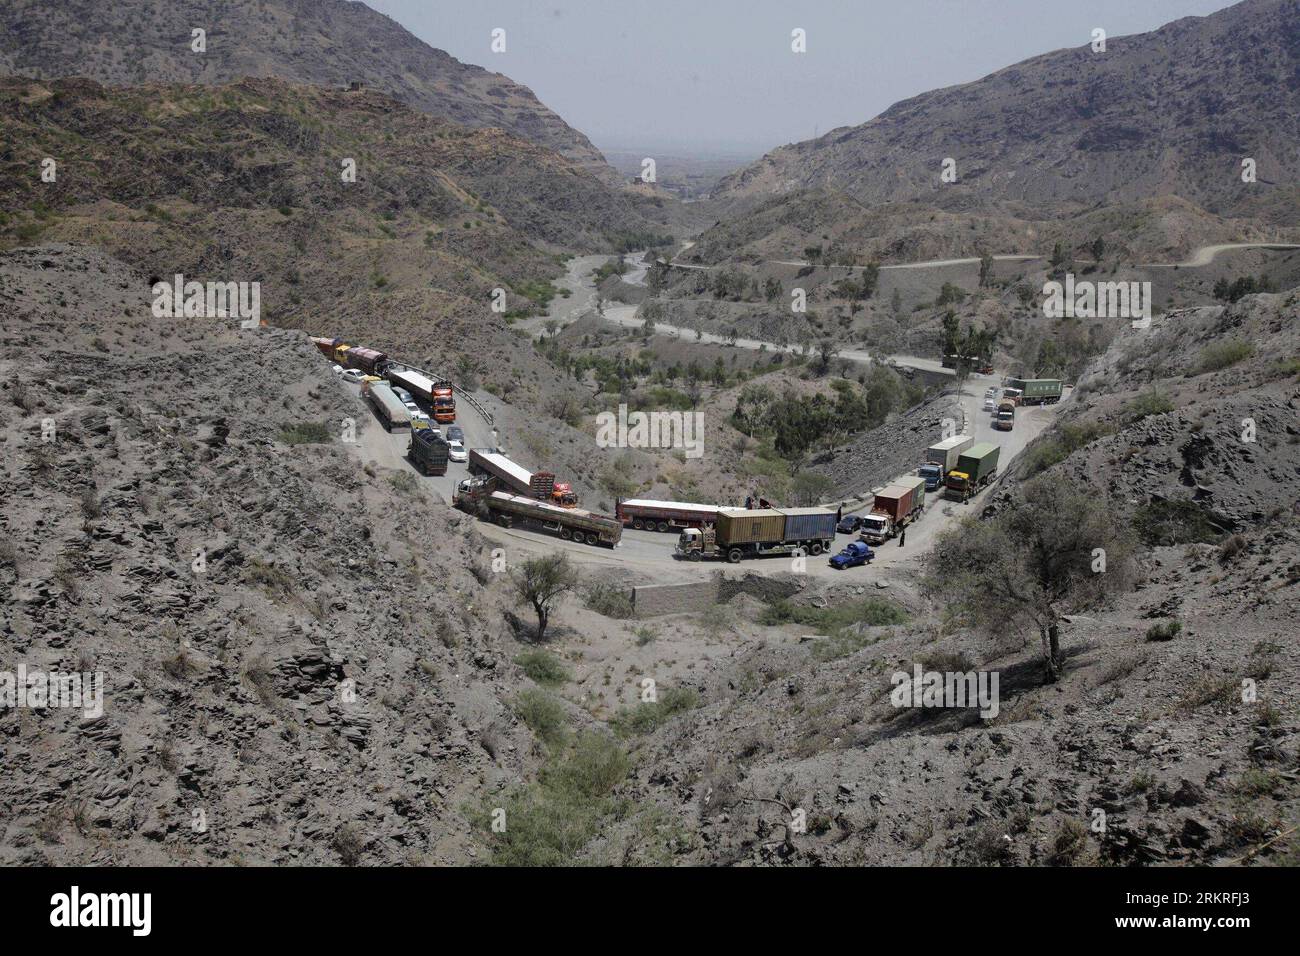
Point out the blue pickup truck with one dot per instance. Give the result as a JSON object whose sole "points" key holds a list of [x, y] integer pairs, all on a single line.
{"points": [[859, 552]]}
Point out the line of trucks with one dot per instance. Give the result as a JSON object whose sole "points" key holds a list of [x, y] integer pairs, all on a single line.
{"points": [[503, 491], [960, 466], [377, 368]]}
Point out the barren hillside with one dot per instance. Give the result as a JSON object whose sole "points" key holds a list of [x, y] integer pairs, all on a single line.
{"points": [[328, 43]]}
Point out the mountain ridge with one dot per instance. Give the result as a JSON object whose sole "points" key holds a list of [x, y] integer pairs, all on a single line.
{"points": [[318, 42]]}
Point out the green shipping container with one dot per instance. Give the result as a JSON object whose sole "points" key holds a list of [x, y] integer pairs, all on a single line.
{"points": [[1037, 389], [749, 525], [980, 461]]}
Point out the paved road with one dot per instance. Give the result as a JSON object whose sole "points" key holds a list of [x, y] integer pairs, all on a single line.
{"points": [[389, 450], [651, 553], [1200, 258], [1207, 254]]}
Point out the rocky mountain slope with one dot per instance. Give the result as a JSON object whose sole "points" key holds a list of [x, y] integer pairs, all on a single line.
{"points": [[1170, 738], [330, 43], [1142, 143], [291, 673], [1168, 112], [245, 183]]}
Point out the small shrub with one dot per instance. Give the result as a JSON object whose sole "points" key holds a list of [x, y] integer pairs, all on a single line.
{"points": [[1231, 547], [404, 482], [1175, 521], [1221, 355], [1152, 402], [544, 715], [643, 718], [1166, 630], [1069, 845], [306, 433], [610, 600], [349, 844], [543, 668]]}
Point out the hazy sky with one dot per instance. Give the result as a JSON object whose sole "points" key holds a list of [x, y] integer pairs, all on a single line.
{"points": [[705, 76]]}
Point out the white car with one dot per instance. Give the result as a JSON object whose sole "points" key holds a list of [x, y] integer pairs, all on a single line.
{"points": [[989, 406], [353, 375], [417, 413], [990, 392], [456, 451]]}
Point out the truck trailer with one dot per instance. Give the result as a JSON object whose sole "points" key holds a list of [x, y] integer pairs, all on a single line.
{"points": [[755, 532], [646, 514], [388, 408], [481, 496], [511, 476], [370, 361], [975, 469], [941, 458], [1037, 391], [428, 451], [894, 509]]}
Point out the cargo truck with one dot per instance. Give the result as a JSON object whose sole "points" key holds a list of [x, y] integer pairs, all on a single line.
{"points": [[483, 497], [388, 408], [370, 361], [511, 476], [443, 403], [895, 508], [1037, 391], [1004, 419], [646, 514], [428, 451], [975, 469], [754, 532], [325, 346], [941, 458]]}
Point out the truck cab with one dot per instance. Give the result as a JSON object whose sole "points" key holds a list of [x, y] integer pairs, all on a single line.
{"points": [[1005, 419], [876, 527], [691, 543], [1013, 395], [562, 495], [958, 485], [933, 475]]}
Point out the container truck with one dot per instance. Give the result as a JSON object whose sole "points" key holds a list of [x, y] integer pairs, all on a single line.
{"points": [[420, 386], [388, 408], [428, 451], [1004, 419], [511, 476], [941, 458], [975, 469], [646, 514], [482, 496], [1037, 391], [895, 508], [753, 532]]}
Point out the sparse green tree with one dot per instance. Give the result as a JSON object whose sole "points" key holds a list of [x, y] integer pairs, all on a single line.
{"points": [[541, 582], [1054, 549]]}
